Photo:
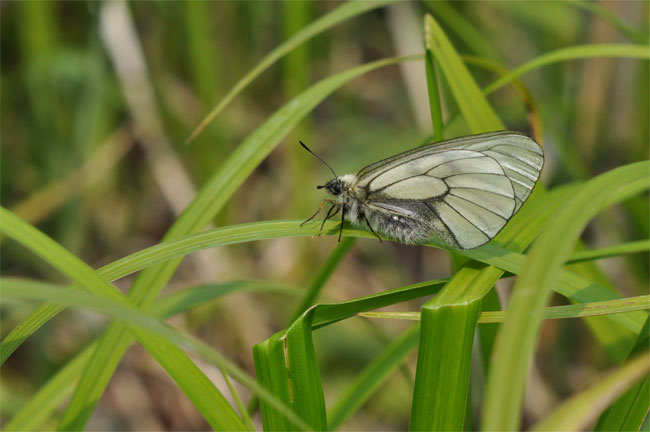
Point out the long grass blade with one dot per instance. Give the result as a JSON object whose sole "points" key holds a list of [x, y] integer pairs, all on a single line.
{"points": [[541, 272], [344, 12]]}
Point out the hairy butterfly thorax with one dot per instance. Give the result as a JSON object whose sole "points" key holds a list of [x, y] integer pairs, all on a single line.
{"points": [[463, 190]]}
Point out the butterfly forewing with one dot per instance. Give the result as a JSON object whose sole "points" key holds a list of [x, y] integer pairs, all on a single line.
{"points": [[464, 189]]}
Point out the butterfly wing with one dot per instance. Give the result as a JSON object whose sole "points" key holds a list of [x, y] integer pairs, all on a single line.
{"points": [[465, 190]]}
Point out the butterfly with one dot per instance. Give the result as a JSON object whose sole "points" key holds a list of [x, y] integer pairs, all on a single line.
{"points": [[463, 190]]}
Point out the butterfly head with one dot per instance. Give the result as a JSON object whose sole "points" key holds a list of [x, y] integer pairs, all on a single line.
{"points": [[334, 186], [338, 185]]}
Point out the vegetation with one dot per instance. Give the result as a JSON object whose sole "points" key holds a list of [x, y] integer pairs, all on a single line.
{"points": [[151, 168]]}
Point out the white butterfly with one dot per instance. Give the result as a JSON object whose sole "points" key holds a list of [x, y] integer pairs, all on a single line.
{"points": [[463, 190]]}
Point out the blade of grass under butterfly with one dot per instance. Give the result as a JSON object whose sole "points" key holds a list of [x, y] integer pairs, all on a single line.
{"points": [[344, 12], [275, 229], [518, 335], [257, 231], [518, 232], [199, 389]]}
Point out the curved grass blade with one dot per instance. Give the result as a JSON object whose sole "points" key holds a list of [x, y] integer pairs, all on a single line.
{"points": [[50, 396], [477, 112], [136, 319], [199, 389], [344, 12], [541, 272], [572, 53], [521, 230], [317, 284], [608, 252], [208, 202], [582, 409], [615, 21]]}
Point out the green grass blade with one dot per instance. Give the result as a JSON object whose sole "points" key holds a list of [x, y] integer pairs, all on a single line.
{"points": [[369, 380], [317, 284], [521, 230], [213, 195], [611, 251], [524, 225], [288, 358], [182, 300], [50, 396], [629, 412], [572, 53], [446, 340], [203, 394], [582, 409], [615, 21], [286, 364], [342, 13], [555, 312], [142, 323], [477, 112], [449, 320], [541, 272], [462, 28], [434, 96]]}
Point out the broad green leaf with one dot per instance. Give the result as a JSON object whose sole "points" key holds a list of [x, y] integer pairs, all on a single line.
{"points": [[541, 272], [344, 12], [285, 363], [200, 390], [582, 409], [445, 350]]}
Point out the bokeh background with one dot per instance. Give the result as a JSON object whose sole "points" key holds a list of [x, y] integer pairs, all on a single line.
{"points": [[97, 103]]}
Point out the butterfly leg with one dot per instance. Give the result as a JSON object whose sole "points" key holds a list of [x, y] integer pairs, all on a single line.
{"points": [[342, 221], [371, 230], [320, 207], [329, 215]]}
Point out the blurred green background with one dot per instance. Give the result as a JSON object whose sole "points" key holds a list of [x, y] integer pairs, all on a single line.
{"points": [[97, 103]]}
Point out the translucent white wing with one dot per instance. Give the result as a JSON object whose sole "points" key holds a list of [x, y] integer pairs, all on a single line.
{"points": [[465, 189]]}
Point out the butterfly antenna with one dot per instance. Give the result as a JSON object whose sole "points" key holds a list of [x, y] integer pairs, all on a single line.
{"points": [[318, 157]]}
